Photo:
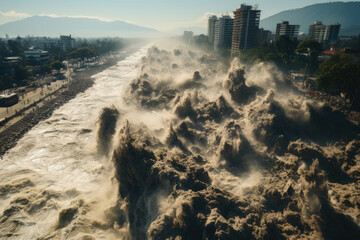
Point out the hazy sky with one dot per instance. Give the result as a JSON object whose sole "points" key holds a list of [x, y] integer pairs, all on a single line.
{"points": [[158, 14]]}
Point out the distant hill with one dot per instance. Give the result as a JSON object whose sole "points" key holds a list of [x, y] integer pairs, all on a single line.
{"points": [[78, 27], [345, 13]]}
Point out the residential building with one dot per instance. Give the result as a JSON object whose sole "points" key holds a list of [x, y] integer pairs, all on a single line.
{"points": [[53, 43], [285, 29], [264, 36], [9, 99], [67, 43], [246, 26], [200, 37], [8, 65], [317, 31], [37, 55], [211, 28], [223, 32], [188, 35], [323, 33], [302, 36], [332, 33]]}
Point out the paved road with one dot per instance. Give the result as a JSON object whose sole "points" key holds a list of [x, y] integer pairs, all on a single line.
{"points": [[31, 97], [28, 98]]}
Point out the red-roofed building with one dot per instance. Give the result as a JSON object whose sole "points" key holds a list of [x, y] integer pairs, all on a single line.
{"points": [[329, 52]]}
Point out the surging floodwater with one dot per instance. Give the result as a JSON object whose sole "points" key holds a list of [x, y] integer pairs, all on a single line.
{"points": [[174, 144], [55, 167]]}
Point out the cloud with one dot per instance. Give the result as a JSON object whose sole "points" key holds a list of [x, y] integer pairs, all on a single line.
{"points": [[200, 22], [89, 17], [14, 14], [204, 18], [53, 15]]}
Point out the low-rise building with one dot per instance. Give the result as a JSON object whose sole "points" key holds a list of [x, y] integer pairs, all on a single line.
{"points": [[8, 100], [7, 66], [38, 55]]}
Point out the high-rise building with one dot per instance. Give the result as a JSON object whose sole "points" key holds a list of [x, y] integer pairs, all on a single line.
{"points": [[52, 43], [211, 28], [332, 33], [317, 31], [264, 36], [188, 35], [67, 43], [246, 26], [285, 29], [323, 33], [223, 32]]}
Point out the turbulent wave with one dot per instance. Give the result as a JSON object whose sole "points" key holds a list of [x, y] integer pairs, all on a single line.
{"points": [[239, 160], [186, 149]]}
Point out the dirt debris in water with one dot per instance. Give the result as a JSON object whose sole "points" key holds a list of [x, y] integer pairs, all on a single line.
{"points": [[237, 161], [106, 129], [200, 152]]}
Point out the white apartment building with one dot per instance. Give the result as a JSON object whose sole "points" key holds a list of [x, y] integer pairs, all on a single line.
{"points": [[37, 54]]}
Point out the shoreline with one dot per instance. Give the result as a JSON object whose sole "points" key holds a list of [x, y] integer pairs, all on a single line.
{"points": [[80, 83]]}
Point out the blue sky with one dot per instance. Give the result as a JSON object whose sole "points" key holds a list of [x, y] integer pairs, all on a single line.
{"points": [[159, 14]]}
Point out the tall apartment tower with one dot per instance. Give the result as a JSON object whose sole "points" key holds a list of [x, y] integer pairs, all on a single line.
{"points": [[188, 35], [223, 32], [285, 29], [317, 31], [245, 31], [211, 28], [67, 42], [332, 33], [264, 36]]}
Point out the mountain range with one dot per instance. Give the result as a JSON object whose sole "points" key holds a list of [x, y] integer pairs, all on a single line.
{"points": [[79, 27], [345, 13]]}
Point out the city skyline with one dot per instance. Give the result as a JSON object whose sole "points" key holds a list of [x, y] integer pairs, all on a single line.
{"points": [[150, 14]]}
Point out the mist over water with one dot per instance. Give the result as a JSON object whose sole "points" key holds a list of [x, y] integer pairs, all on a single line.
{"points": [[171, 144]]}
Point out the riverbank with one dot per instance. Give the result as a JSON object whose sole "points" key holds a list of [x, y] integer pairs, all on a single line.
{"points": [[81, 81]]}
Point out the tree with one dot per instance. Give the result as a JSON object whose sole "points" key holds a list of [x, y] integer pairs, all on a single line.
{"points": [[83, 53], [312, 49], [15, 48], [353, 43], [21, 73], [32, 61], [309, 45], [3, 50], [6, 82], [45, 69], [341, 74], [57, 65], [286, 47], [57, 53]]}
